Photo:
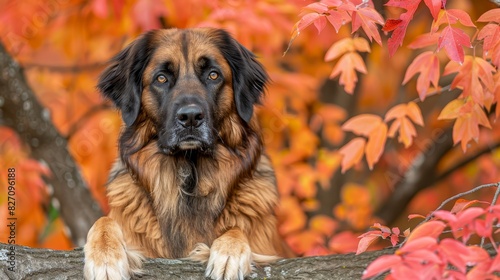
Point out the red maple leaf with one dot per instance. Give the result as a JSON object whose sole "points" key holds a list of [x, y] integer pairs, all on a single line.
{"points": [[399, 25], [453, 40]]}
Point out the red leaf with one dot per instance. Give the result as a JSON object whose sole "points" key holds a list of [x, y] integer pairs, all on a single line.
{"points": [[454, 252], [380, 265], [366, 240], [434, 6], [461, 16], [391, 24], [429, 229], [307, 20], [491, 15], [399, 32], [491, 36], [452, 39], [420, 243]]}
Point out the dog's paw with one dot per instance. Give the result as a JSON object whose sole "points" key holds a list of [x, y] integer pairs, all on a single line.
{"points": [[106, 255], [230, 258]]}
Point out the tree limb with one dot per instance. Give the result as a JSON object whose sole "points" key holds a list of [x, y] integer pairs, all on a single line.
{"points": [[47, 264], [21, 111], [421, 174]]}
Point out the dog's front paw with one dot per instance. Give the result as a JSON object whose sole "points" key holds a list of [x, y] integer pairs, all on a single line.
{"points": [[230, 257], [106, 256]]}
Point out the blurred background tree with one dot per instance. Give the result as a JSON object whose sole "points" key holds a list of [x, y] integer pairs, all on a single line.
{"points": [[316, 129]]}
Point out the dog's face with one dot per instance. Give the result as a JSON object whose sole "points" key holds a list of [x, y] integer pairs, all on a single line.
{"points": [[187, 82]]}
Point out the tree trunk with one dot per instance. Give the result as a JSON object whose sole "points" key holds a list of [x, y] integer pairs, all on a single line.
{"points": [[47, 264], [21, 111]]}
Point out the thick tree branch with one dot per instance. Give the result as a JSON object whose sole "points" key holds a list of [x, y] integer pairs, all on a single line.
{"points": [[421, 174], [20, 110], [48, 264]]}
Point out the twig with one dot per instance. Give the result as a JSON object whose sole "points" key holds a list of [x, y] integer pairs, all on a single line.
{"points": [[497, 185]]}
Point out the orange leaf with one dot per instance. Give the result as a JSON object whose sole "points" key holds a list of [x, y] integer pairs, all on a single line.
{"points": [[323, 224], [352, 153], [429, 229], [367, 18], [346, 67], [396, 112], [452, 110], [339, 48], [427, 64], [376, 144], [362, 124], [462, 204], [406, 132]]}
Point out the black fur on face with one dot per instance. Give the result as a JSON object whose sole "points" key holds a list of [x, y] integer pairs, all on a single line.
{"points": [[249, 76], [121, 82]]}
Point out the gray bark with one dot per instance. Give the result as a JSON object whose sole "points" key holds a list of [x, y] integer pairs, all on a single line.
{"points": [[20, 110], [47, 264]]}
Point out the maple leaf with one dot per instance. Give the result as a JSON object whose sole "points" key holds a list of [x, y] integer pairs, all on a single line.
{"points": [[469, 116], [352, 153], [490, 34], [400, 25], [367, 18], [453, 40], [474, 76], [376, 144], [363, 124], [449, 17], [347, 44], [346, 67], [402, 114], [427, 63]]}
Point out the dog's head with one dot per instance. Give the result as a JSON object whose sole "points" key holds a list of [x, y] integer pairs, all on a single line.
{"points": [[186, 82]]}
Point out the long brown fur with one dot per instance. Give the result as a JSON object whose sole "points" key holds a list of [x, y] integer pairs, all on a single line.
{"points": [[210, 205]]}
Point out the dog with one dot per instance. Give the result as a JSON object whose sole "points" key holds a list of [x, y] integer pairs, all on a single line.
{"points": [[192, 179]]}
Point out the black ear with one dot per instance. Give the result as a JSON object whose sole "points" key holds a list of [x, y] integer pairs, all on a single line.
{"points": [[121, 81], [249, 76]]}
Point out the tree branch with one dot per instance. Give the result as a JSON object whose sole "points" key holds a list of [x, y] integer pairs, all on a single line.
{"points": [[41, 264], [421, 174], [466, 161], [21, 111]]}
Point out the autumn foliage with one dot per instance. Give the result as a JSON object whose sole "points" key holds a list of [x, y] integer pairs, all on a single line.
{"points": [[362, 94]]}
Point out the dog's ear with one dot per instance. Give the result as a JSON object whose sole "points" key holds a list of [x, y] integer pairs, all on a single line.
{"points": [[249, 76], [121, 81]]}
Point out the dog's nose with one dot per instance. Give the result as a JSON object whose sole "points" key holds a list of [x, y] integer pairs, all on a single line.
{"points": [[190, 115]]}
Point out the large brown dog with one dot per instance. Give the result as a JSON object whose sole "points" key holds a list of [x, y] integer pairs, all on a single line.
{"points": [[192, 168]]}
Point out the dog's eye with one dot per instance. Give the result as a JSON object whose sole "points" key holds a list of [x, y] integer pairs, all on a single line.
{"points": [[213, 75], [161, 78]]}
